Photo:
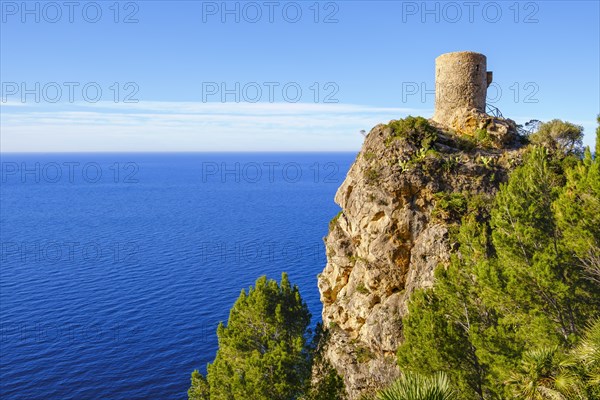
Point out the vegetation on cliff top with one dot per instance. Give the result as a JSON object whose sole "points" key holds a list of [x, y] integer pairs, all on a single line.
{"points": [[414, 129], [513, 314]]}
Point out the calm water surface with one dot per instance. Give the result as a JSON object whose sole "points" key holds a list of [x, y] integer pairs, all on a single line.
{"points": [[117, 268]]}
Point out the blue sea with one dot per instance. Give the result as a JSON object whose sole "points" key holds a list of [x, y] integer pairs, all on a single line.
{"points": [[117, 268]]}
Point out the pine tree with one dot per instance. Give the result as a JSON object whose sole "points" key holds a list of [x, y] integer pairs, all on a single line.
{"points": [[262, 353], [325, 383], [522, 279], [578, 212], [445, 324], [560, 136], [540, 282], [199, 389], [597, 153]]}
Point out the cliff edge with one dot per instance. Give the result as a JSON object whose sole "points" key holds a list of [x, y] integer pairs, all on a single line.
{"points": [[400, 202]]}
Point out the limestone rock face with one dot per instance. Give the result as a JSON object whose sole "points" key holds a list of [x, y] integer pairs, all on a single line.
{"points": [[385, 242], [468, 121]]}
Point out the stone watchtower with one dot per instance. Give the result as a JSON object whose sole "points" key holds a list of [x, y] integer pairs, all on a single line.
{"points": [[461, 82]]}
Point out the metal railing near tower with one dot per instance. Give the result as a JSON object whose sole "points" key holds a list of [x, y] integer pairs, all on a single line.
{"points": [[495, 112]]}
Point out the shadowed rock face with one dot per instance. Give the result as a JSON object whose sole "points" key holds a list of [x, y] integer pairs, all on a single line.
{"points": [[385, 243]]}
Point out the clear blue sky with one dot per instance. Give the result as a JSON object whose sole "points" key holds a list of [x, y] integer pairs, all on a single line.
{"points": [[544, 54]]}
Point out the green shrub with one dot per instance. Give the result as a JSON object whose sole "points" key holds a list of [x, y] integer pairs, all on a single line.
{"points": [[417, 130], [449, 206], [371, 175], [450, 163], [411, 386], [465, 143], [361, 288], [363, 355], [483, 137], [334, 220], [369, 155]]}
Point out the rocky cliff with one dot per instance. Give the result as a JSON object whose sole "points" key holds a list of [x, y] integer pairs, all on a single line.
{"points": [[394, 230]]}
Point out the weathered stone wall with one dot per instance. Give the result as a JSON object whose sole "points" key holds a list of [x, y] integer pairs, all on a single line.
{"points": [[461, 81]]}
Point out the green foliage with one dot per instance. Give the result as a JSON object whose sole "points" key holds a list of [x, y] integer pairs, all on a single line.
{"points": [[199, 389], [369, 155], [420, 154], [262, 352], [553, 373], [450, 163], [483, 138], [435, 342], [326, 383], [329, 386], [543, 374], [334, 220], [559, 136], [449, 206], [371, 175], [442, 330], [578, 213], [404, 165], [531, 127], [586, 360], [363, 355], [465, 143], [538, 273], [486, 161], [508, 317], [526, 277], [417, 130], [411, 386], [597, 152], [362, 289]]}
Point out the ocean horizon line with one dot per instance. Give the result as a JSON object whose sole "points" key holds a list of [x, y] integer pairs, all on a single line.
{"points": [[183, 152]]}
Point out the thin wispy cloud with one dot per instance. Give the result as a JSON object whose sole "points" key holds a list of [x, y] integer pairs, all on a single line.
{"points": [[244, 108], [11, 103], [189, 126]]}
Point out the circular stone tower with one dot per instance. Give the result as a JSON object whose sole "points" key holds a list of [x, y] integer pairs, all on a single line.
{"points": [[461, 82]]}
